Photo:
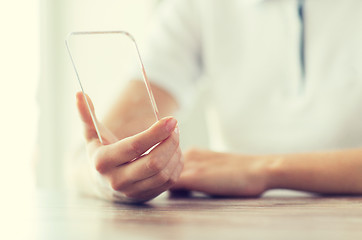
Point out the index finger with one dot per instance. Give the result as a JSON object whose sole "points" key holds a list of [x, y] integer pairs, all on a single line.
{"points": [[130, 148]]}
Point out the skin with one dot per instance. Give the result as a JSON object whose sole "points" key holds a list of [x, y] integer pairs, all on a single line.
{"points": [[121, 160], [128, 136], [238, 175]]}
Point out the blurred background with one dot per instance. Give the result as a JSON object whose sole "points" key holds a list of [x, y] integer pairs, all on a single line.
{"points": [[40, 129]]}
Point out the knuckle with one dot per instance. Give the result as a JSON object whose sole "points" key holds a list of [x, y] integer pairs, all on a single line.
{"points": [[131, 194], [118, 185], [179, 155], [154, 164], [136, 147], [99, 162], [163, 176], [175, 140], [100, 168], [174, 178]]}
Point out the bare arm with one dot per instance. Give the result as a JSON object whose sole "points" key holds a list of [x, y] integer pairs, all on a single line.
{"points": [[225, 174], [338, 172]]}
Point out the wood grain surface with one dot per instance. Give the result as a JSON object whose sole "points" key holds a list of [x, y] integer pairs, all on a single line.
{"points": [[277, 215]]}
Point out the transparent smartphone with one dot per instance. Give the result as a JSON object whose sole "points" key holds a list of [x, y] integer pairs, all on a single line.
{"points": [[103, 62]]}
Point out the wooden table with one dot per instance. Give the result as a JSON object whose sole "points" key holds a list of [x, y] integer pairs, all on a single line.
{"points": [[277, 215]]}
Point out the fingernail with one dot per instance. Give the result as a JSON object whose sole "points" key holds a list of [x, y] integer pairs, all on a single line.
{"points": [[177, 130], [170, 124]]}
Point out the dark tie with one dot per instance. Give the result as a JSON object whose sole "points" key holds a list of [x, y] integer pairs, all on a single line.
{"points": [[302, 37]]}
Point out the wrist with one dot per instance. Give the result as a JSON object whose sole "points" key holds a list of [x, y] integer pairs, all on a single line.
{"points": [[259, 172], [273, 171]]}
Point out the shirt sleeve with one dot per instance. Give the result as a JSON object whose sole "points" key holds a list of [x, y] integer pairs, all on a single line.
{"points": [[172, 53]]}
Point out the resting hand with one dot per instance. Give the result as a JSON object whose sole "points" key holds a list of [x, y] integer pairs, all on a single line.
{"points": [[222, 174], [124, 164]]}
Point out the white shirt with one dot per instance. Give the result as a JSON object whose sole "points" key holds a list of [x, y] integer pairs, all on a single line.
{"points": [[247, 54]]}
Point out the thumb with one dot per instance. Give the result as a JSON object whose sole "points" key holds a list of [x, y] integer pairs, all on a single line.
{"points": [[90, 130]]}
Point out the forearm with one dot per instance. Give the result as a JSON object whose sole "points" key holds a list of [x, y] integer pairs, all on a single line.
{"points": [[132, 111], [338, 172]]}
